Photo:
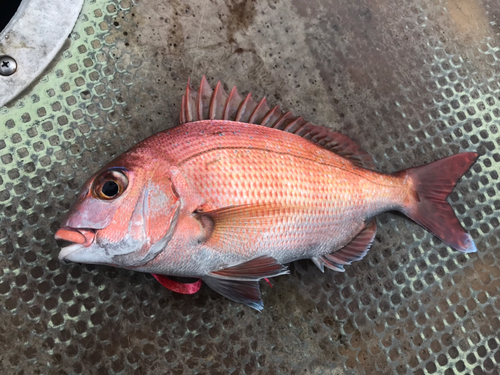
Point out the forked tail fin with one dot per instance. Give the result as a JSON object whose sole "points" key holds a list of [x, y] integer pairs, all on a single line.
{"points": [[432, 183]]}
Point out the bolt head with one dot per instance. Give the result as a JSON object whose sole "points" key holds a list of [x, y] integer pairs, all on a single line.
{"points": [[8, 65]]}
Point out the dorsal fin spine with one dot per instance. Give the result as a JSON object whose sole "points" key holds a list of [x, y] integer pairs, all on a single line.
{"points": [[189, 113], [268, 116], [199, 103], [221, 101], [233, 99], [319, 138], [253, 116], [182, 117], [206, 96], [304, 130], [243, 106], [213, 102], [290, 126], [282, 120], [225, 112]]}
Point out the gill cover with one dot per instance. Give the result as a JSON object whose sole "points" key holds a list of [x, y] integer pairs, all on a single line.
{"points": [[151, 227]]}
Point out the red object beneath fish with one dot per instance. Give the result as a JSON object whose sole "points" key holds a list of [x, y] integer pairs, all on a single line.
{"points": [[184, 288], [176, 286]]}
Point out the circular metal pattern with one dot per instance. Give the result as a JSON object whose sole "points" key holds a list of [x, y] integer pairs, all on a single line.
{"points": [[411, 82], [8, 65]]}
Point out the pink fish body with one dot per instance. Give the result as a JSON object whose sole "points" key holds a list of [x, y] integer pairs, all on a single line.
{"points": [[231, 202]]}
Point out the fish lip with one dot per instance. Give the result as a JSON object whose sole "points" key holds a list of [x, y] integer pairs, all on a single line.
{"points": [[77, 236], [68, 250]]}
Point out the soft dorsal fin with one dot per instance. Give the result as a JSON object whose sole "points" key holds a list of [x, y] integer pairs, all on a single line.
{"points": [[209, 104], [353, 251]]}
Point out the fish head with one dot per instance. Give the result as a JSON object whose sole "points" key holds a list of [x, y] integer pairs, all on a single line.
{"points": [[125, 214]]}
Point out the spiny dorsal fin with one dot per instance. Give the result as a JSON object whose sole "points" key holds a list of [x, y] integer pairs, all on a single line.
{"points": [[208, 104]]}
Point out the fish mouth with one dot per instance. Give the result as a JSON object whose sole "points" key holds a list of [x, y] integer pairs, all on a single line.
{"points": [[80, 238]]}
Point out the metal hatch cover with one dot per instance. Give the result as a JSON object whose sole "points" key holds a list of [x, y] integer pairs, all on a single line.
{"points": [[411, 82], [30, 41]]}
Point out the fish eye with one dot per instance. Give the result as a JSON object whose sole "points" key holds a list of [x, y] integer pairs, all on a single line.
{"points": [[110, 189], [110, 184]]}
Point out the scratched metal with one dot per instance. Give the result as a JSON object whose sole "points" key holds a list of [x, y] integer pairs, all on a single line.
{"points": [[411, 81]]}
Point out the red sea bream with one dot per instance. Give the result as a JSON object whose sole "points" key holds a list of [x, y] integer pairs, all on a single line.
{"points": [[238, 190]]}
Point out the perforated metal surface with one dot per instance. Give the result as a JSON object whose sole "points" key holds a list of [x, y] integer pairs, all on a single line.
{"points": [[411, 81]]}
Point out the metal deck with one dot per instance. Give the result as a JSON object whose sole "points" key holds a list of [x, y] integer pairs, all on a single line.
{"points": [[411, 81]]}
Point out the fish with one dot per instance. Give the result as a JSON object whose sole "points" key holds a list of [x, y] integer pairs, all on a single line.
{"points": [[238, 190]]}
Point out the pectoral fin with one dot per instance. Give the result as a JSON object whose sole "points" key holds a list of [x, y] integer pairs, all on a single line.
{"points": [[239, 227], [353, 251], [228, 214]]}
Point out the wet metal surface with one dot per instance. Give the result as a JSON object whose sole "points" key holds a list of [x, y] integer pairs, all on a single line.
{"points": [[411, 81]]}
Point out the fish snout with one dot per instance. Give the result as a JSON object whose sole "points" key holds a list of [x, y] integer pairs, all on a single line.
{"points": [[79, 236]]}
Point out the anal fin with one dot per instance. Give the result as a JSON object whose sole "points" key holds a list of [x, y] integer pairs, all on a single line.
{"points": [[353, 251], [247, 292], [323, 261]]}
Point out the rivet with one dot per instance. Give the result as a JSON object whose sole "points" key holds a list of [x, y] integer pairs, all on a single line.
{"points": [[8, 65]]}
